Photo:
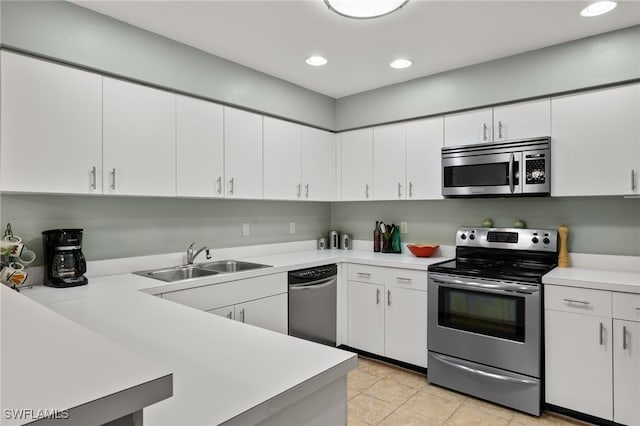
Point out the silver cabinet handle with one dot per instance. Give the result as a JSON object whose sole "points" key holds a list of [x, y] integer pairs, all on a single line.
{"points": [[601, 334], [94, 181], [366, 190], [242, 315], [499, 129], [624, 337], [306, 191], [377, 296], [399, 190], [363, 274], [299, 187], [113, 179], [219, 185], [582, 302], [229, 315], [633, 180], [484, 131], [407, 280], [231, 186], [512, 180], [410, 189], [388, 297]]}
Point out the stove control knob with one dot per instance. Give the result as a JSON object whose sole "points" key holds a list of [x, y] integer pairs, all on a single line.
{"points": [[546, 240], [463, 236], [472, 237], [534, 240]]}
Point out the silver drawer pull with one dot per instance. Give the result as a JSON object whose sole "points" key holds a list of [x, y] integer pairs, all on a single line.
{"points": [[624, 337], [388, 297], [582, 302], [377, 296], [242, 315], [219, 185], [363, 274], [94, 179], [407, 280], [601, 334], [113, 182]]}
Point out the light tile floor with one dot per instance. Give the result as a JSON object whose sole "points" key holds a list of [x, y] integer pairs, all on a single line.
{"points": [[382, 394]]}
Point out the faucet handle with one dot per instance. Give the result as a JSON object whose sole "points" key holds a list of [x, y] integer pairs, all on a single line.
{"points": [[208, 254]]}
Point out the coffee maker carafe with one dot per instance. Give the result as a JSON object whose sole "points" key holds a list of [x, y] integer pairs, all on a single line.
{"points": [[64, 261]]}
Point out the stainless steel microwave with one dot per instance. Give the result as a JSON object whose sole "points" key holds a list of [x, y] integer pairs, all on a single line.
{"points": [[500, 169]]}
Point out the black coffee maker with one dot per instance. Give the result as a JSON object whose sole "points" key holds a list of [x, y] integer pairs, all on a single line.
{"points": [[64, 261]]}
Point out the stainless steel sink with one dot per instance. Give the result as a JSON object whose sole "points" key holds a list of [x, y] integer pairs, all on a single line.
{"points": [[225, 266], [185, 272], [177, 273]]}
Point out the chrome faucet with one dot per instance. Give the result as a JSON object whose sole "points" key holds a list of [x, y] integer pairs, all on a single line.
{"points": [[191, 256]]}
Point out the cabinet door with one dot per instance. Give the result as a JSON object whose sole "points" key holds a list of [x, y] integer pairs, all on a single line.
{"points": [[626, 372], [269, 312], [578, 363], [356, 168], [467, 128], [243, 153], [596, 142], [225, 311], [366, 316], [522, 120], [318, 164], [282, 152], [406, 325], [139, 134], [199, 148], [51, 127], [389, 162], [425, 139]]}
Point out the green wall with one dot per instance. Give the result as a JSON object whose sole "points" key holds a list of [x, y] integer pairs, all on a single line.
{"points": [[596, 225], [604, 59], [117, 227], [75, 35]]}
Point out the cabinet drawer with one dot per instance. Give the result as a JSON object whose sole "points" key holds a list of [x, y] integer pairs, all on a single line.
{"points": [[365, 273], [229, 293], [626, 306], [578, 300], [408, 278]]}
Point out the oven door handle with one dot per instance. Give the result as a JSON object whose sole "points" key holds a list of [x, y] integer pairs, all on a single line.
{"points": [[511, 177], [452, 364], [497, 286]]}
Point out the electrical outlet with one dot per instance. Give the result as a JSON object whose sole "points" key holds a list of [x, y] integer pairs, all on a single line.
{"points": [[403, 227], [245, 229], [292, 227]]}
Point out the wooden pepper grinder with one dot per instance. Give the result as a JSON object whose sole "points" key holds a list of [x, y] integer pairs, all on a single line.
{"points": [[563, 255]]}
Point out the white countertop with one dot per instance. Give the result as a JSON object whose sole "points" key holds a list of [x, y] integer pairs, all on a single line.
{"points": [[598, 279], [51, 363]]}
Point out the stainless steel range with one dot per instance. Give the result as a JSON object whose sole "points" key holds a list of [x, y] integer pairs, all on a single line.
{"points": [[485, 315]]}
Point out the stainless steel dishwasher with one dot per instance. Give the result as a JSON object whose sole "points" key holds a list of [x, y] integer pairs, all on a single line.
{"points": [[312, 304]]}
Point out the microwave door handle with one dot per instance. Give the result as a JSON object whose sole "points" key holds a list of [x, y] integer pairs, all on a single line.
{"points": [[511, 177]]}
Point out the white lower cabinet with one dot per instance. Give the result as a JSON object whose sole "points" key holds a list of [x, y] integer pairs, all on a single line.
{"points": [[268, 312], [592, 352], [260, 301], [387, 312]]}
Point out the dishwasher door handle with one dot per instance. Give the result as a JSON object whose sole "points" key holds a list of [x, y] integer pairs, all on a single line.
{"points": [[313, 285]]}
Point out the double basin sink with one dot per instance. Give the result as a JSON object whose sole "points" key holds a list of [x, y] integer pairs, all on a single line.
{"points": [[185, 272]]}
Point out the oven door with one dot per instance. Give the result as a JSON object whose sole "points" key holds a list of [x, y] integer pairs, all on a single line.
{"points": [[486, 321], [485, 174]]}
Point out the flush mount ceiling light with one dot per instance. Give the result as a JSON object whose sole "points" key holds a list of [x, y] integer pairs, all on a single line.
{"points": [[364, 9], [401, 63], [598, 8], [316, 61]]}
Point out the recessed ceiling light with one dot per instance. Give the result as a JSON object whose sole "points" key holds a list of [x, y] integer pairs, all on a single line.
{"points": [[316, 61], [364, 9], [401, 63], [598, 8]]}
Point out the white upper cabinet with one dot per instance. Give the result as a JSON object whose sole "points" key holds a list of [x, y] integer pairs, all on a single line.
{"points": [[139, 137], [356, 165], [520, 120], [469, 127], [389, 162], [318, 165], [596, 142], [282, 156], [425, 139], [242, 153], [51, 127], [199, 148]]}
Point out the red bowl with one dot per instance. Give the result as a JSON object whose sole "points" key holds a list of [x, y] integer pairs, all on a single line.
{"points": [[422, 250]]}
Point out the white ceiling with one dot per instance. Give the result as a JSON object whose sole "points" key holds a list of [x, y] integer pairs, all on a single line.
{"points": [[275, 37]]}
